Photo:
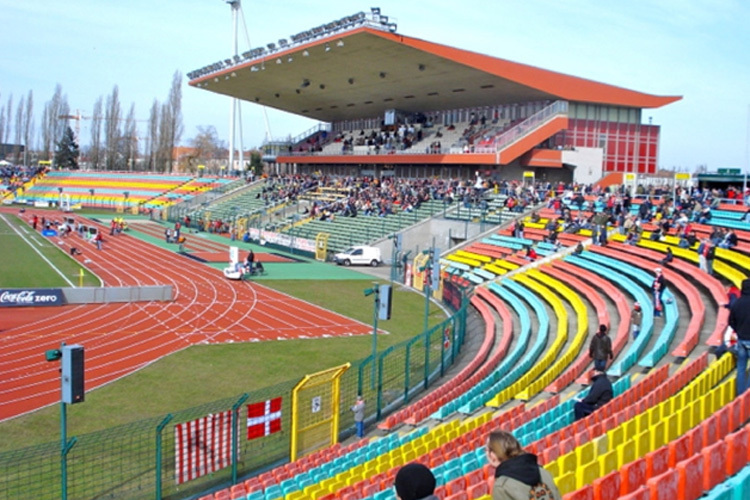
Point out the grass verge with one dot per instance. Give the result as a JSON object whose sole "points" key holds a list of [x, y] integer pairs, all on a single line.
{"points": [[202, 374], [25, 265]]}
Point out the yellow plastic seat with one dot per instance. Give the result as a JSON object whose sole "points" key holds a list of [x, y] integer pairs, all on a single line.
{"points": [[585, 454], [643, 443], [615, 437], [608, 462], [587, 473], [658, 435], [566, 483]]}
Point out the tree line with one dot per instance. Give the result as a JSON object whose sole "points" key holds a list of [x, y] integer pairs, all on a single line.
{"points": [[114, 142]]}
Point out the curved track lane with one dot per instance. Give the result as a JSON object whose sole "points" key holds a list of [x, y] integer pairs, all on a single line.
{"points": [[121, 338]]}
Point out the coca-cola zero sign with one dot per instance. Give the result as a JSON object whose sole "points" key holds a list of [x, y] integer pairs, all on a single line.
{"points": [[33, 297]]}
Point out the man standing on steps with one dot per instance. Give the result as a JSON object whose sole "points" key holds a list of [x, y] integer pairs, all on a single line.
{"points": [[739, 320], [657, 289], [600, 349]]}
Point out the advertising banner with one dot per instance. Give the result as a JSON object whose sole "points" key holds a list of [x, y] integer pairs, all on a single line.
{"points": [[33, 297]]}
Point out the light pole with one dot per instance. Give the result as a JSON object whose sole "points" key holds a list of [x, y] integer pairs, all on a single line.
{"points": [[382, 310], [72, 392], [376, 305]]}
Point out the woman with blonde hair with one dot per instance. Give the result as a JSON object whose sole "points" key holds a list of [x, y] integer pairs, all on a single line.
{"points": [[518, 475]]}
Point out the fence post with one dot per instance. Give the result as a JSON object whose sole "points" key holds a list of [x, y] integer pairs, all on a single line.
{"points": [[361, 377], [66, 445], [426, 358], [442, 350], [455, 336], [380, 385], [159, 429], [407, 366], [235, 450]]}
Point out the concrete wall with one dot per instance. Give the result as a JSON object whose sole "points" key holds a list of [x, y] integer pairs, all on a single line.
{"points": [[105, 295], [588, 163], [420, 237]]}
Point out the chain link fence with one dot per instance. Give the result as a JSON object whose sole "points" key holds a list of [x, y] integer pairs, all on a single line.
{"points": [[138, 460]]}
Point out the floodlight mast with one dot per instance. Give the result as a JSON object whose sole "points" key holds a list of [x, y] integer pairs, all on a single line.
{"points": [[236, 112]]}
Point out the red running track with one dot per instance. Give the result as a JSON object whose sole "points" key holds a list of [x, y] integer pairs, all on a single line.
{"points": [[121, 338]]}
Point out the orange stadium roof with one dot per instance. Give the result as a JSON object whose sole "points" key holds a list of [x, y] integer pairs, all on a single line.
{"points": [[365, 71]]}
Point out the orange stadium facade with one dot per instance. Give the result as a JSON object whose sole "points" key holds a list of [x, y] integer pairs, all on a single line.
{"points": [[395, 105]]}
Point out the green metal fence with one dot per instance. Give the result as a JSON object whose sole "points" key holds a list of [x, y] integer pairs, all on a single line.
{"points": [[137, 460]]}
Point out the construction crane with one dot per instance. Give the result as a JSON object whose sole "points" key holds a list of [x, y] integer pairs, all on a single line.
{"points": [[77, 117]]}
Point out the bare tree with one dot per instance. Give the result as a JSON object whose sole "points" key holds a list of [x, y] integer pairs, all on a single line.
{"points": [[53, 127], [2, 123], [152, 140], [28, 126], [18, 129], [175, 114], [164, 153], [112, 129], [206, 148], [95, 147], [8, 118], [130, 139]]}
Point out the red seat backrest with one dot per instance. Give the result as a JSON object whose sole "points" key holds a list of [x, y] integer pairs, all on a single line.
{"points": [[690, 478]]}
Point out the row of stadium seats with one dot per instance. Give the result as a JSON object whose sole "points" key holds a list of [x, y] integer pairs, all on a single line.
{"points": [[148, 190], [635, 444]]}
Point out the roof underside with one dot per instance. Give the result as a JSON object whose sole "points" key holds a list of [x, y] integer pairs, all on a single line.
{"points": [[365, 72]]}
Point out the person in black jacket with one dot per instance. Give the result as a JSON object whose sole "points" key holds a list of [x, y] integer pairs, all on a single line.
{"points": [[599, 394], [739, 320]]}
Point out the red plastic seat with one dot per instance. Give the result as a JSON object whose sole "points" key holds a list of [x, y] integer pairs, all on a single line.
{"points": [[567, 445], [585, 493], [690, 478], [657, 462], [714, 464], [474, 477], [458, 496], [737, 450], [710, 430], [696, 438], [632, 476], [642, 493], [679, 450], [722, 422], [607, 487], [736, 417], [478, 490], [223, 495], [455, 486], [550, 454], [663, 486]]}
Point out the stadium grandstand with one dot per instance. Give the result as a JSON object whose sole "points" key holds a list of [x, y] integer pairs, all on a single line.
{"points": [[420, 138], [390, 104]]}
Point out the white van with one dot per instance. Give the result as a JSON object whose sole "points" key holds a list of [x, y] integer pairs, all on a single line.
{"points": [[363, 255]]}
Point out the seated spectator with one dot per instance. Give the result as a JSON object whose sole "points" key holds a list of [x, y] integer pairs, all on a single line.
{"points": [[729, 241], [415, 481], [599, 394], [518, 474], [688, 241], [668, 258]]}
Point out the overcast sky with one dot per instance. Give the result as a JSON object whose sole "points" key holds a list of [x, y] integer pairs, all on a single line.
{"points": [[699, 49]]}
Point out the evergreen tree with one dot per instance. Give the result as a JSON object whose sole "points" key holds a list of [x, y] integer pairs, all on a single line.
{"points": [[67, 152]]}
